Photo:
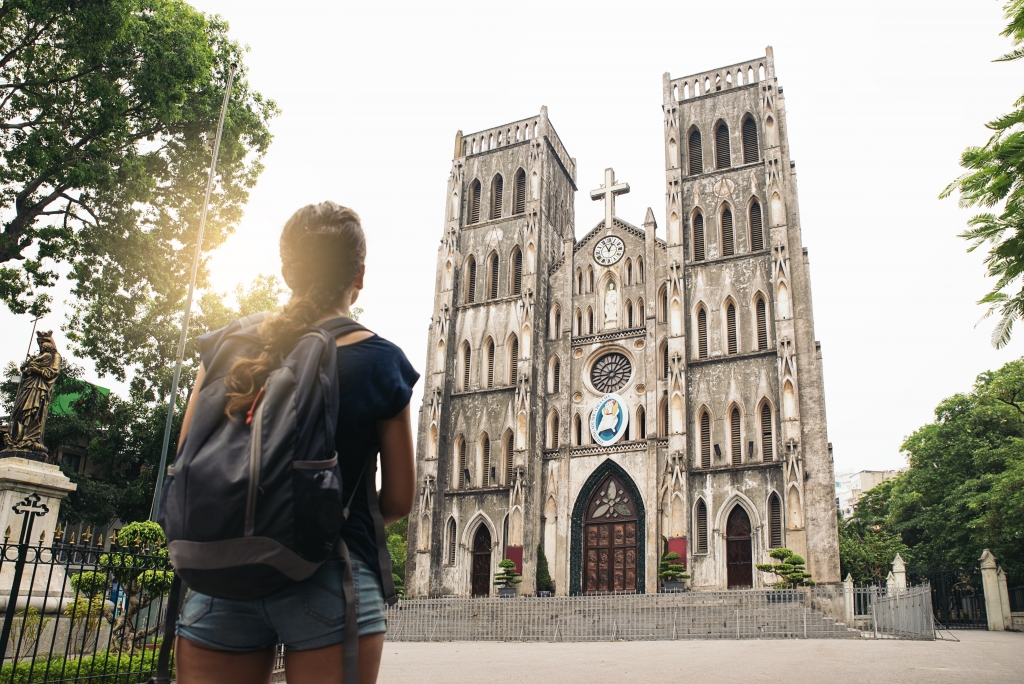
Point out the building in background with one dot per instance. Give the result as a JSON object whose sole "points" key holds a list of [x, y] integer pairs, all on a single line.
{"points": [[851, 486]]}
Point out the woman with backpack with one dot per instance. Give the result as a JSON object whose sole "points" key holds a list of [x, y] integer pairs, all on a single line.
{"points": [[229, 639]]}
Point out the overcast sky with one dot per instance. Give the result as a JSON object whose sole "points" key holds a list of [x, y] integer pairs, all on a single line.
{"points": [[882, 97]]}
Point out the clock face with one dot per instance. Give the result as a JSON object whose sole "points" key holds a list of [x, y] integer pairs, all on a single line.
{"points": [[609, 250]]}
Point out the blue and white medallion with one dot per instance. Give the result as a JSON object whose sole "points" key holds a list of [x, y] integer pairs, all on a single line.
{"points": [[609, 420]]}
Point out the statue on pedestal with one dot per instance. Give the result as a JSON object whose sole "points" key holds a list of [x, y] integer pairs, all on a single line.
{"points": [[28, 416]]}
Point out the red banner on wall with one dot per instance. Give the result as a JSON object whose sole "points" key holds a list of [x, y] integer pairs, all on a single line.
{"points": [[678, 545], [515, 554]]}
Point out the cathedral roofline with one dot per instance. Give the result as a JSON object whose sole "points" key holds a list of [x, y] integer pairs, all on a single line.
{"points": [[616, 223], [513, 133]]}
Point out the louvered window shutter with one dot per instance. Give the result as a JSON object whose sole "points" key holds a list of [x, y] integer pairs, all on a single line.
{"points": [[663, 314], [509, 446], [696, 159], [517, 273], [462, 464], [494, 276], [664, 361], [513, 371], [698, 237], [487, 462], [728, 243], [452, 529], [775, 522], [471, 281], [629, 272], [640, 270], [750, 151], [730, 324], [490, 364], [466, 358], [664, 418], [705, 440], [499, 186], [762, 326], [737, 445], [756, 231], [554, 431], [723, 159], [629, 315], [641, 423], [702, 527], [766, 433], [702, 334], [590, 321], [558, 375], [474, 202], [520, 192]]}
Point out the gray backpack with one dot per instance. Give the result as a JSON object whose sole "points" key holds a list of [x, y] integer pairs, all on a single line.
{"points": [[253, 503]]}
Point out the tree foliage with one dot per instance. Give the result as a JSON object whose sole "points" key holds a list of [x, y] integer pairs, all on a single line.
{"points": [[867, 544], [994, 179], [108, 110], [544, 581], [507, 576], [671, 569], [791, 569]]}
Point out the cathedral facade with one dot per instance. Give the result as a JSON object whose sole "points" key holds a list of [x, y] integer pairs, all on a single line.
{"points": [[606, 399]]}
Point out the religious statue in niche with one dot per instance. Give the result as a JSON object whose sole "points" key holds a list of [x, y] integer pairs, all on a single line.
{"points": [[611, 305], [28, 416]]}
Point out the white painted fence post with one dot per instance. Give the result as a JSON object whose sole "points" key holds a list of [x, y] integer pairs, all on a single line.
{"points": [[890, 583], [990, 586], [848, 598], [1004, 600], [899, 570]]}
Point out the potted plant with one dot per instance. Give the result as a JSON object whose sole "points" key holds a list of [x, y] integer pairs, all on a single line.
{"points": [[791, 571], [545, 587], [507, 579], [672, 573]]}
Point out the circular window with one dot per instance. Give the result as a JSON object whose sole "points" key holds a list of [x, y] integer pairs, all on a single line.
{"points": [[610, 373]]}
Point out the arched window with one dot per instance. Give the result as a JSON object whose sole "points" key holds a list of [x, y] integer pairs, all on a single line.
{"points": [[664, 360], [751, 153], [663, 418], [519, 202], [700, 532], [705, 439], [556, 375], [756, 230], [728, 243], [460, 446], [641, 423], [553, 430], [590, 321], [489, 345], [723, 159], [474, 203], [735, 443], [579, 281], [774, 521], [577, 430], [762, 325], [590, 278], [470, 280], [492, 275], [467, 358], [629, 314], [579, 323], [698, 236], [556, 322], [513, 360], [450, 542], [485, 453], [702, 333], [640, 312], [497, 190], [730, 328], [516, 272], [641, 278], [629, 271], [663, 304], [696, 157], [767, 451], [508, 443]]}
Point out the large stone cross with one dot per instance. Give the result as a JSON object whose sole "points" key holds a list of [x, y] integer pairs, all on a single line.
{"points": [[607, 192]]}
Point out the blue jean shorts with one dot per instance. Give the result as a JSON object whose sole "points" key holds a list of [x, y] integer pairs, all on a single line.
{"points": [[302, 616]]}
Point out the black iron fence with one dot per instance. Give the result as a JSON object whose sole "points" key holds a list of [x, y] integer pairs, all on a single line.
{"points": [[1017, 599], [77, 613], [957, 597]]}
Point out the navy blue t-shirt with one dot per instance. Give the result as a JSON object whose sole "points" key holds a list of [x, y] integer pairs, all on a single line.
{"points": [[376, 382]]}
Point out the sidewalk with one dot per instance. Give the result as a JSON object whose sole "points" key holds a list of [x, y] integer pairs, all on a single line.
{"points": [[978, 657]]}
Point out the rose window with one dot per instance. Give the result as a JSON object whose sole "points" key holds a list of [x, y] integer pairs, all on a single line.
{"points": [[611, 373]]}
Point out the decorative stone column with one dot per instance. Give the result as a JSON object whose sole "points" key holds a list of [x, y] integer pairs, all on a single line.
{"points": [[848, 598], [899, 571], [990, 585], [890, 583], [20, 478], [1004, 600]]}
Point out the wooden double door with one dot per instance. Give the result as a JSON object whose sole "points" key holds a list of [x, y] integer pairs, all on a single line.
{"points": [[739, 554], [482, 562], [610, 540]]}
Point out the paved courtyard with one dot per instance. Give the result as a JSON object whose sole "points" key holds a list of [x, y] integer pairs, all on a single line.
{"points": [[978, 657]]}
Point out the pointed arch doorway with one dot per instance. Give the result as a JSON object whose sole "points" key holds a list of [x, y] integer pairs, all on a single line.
{"points": [[610, 539], [739, 553], [482, 562]]}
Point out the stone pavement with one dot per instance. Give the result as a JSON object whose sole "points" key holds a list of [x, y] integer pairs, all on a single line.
{"points": [[979, 656]]}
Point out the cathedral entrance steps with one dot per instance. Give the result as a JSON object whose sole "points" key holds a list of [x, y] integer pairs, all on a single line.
{"points": [[752, 614]]}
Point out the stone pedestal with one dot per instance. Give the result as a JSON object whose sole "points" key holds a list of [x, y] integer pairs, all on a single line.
{"points": [[19, 478], [990, 585]]}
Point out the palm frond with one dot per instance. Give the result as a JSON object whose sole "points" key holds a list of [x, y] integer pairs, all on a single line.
{"points": [[1003, 330]]}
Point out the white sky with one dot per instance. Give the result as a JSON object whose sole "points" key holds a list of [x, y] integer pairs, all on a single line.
{"points": [[882, 97]]}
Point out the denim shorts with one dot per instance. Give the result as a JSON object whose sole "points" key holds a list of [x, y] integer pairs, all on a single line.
{"points": [[302, 616]]}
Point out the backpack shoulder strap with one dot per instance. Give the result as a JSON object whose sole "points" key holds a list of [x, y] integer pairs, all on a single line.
{"points": [[341, 325]]}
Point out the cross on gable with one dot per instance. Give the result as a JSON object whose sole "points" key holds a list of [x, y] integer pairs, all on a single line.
{"points": [[607, 192]]}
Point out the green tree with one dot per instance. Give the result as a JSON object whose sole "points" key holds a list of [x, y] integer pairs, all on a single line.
{"points": [[544, 582], [670, 569], [507, 576], [994, 178], [867, 543], [397, 534], [791, 569], [107, 114]]}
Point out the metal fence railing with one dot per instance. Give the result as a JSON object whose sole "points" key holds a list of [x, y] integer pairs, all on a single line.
{"points": [[1017, 599], [905, 614]]}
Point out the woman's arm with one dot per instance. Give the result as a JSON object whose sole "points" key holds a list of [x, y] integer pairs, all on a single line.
{"points": [[186, 422], [397, 465]]}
